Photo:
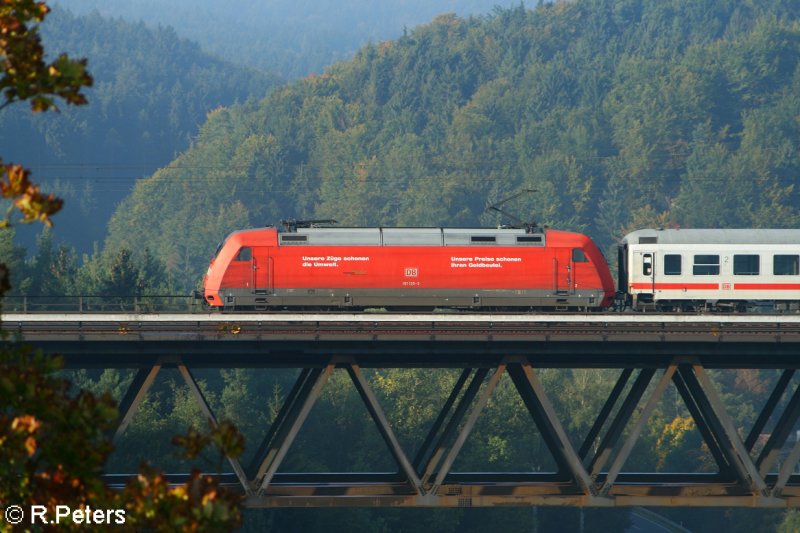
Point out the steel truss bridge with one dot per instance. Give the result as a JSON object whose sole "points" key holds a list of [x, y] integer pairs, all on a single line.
{"points": [[755, 468]]}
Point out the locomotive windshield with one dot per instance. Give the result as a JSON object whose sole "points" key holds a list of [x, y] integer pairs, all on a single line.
{"points": [[221, 244]]}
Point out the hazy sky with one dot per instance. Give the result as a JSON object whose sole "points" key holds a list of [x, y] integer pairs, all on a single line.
{"points": [[289, 37]]}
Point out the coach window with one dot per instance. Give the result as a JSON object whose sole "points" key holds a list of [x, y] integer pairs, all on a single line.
{"points": [[786, 265], [746, 265], [578, 256], [706, 265], [647, 264], [672, 265], [245, 254]]}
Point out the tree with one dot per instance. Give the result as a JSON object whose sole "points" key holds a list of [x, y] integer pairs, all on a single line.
{"points": [[53, 442], [26, 76], [790, 523], [53, 445], [52, 271], [13, 257]]}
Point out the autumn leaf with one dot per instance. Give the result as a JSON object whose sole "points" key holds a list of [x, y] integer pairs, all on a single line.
{"points": [[26, 196]]}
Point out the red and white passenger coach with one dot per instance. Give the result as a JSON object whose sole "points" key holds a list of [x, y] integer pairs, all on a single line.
{"points": [[724, 269]]}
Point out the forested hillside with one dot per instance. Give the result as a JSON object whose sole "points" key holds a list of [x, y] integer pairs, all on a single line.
{"points": [[619, 113], [151, 92], [289, 37]]}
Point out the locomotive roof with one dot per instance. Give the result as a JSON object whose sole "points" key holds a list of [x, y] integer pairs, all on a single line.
{"points": [[431, 236], [713, 236]]}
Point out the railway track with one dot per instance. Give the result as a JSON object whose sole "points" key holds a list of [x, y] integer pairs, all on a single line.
{"points": [[594, 327]]}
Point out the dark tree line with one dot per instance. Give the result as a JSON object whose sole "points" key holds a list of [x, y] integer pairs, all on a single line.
{"points": [[151, 92]]}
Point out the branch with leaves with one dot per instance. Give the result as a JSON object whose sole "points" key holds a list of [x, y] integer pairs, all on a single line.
{"points": [[25, 74], [26, 196], [54, 443]]}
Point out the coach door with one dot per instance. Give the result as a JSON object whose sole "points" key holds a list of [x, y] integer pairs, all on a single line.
{"points": [[644, 271], [262, 273]]}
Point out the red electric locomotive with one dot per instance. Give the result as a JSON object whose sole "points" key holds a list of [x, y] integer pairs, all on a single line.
{"points": [[329, 267]]}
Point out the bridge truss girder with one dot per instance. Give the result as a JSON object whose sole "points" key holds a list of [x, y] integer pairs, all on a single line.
{"points": [[590, 475]]}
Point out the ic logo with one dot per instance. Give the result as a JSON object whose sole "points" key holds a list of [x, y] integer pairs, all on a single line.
{"points": [[412, 272]]}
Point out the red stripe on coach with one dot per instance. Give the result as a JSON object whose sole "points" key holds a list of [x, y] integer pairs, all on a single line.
{"points": [[766, 286], [677, 286]]}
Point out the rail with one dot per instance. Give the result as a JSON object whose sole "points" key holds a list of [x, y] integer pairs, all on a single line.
{"points": [[612, 327]]}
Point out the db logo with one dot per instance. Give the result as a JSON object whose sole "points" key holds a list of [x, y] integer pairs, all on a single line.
{"points": [[412, 272]]}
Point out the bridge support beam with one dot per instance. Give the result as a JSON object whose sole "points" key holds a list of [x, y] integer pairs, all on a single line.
{"points": [[651, 353], [580, 479]]}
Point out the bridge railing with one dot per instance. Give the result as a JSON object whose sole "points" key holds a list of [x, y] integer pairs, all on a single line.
{"points": [[102, 304]]}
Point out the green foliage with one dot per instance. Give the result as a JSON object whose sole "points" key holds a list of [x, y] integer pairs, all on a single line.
{"points": [[54, 444], [122, 274], [152, 91], [622, 114], [616, 113], [52, 271], [54, 440], [790, 523], [12, 258]]}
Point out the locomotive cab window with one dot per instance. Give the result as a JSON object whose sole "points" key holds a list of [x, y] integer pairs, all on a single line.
{"points": [[245, 254], [672, 265], [746, 265], [706, 265], [786, 265], [578, 256]]}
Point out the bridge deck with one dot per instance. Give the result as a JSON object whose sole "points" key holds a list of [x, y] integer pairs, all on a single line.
{"points": [[126, 340]]}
